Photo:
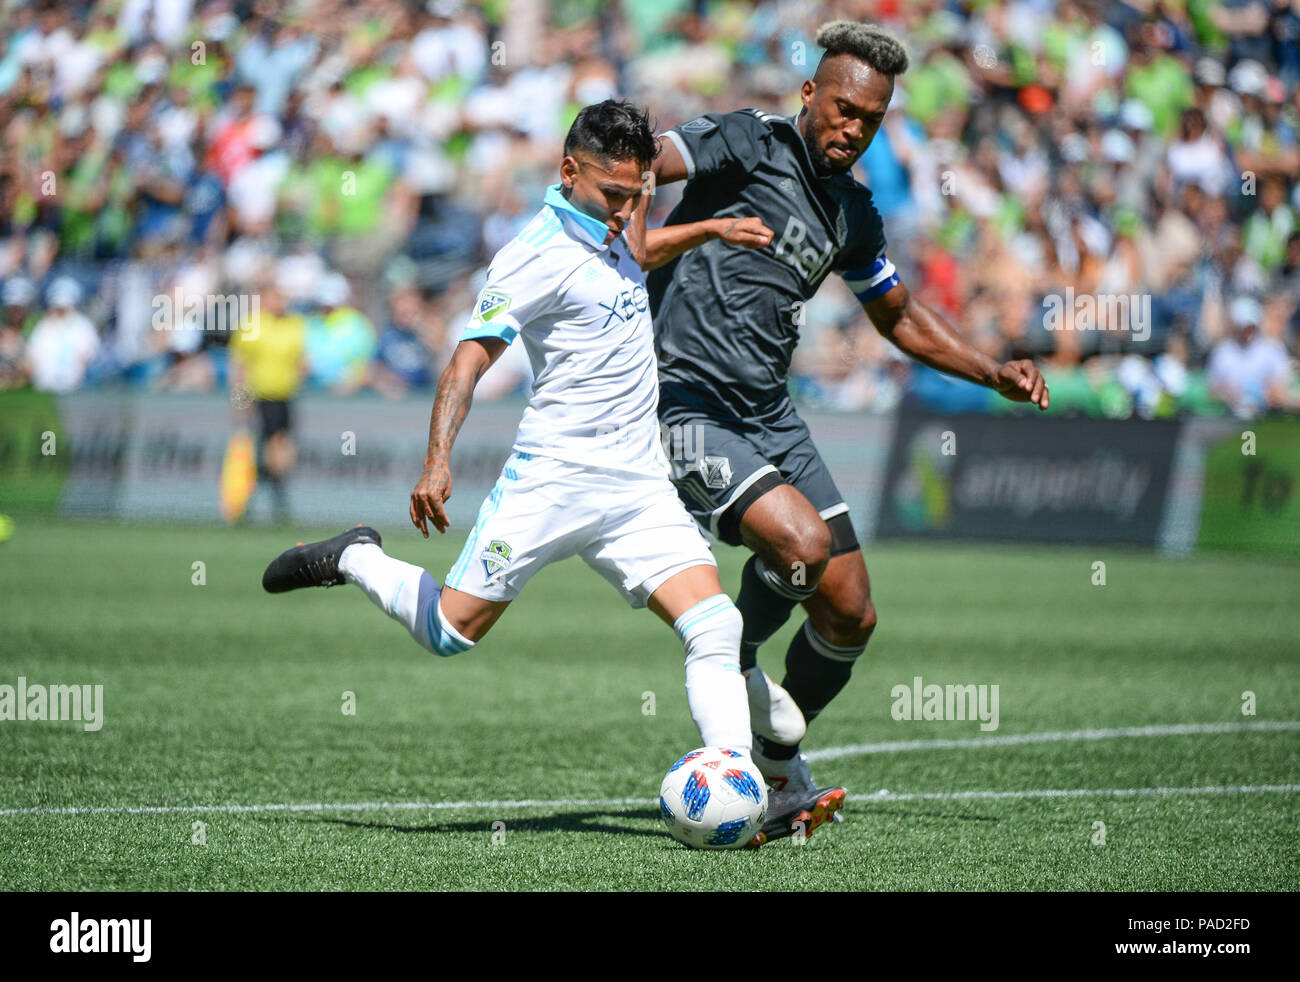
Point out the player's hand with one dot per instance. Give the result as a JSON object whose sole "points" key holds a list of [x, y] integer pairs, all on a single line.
{"points": [[428, 497], [1021, 381], [748, 232]]}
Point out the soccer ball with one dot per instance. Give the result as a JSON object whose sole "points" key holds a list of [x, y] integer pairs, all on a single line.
{"points": [[713, 798]]}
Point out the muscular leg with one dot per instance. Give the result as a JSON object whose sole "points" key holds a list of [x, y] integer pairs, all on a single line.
{"points": [[708, 624], [472, 616], [841, 609], [841, 618], [442, 620], [784, 529], [837, 598], [791, 545]]}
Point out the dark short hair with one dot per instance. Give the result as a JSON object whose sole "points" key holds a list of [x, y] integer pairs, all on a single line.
{"points": [[613, 130], [866, 42]]}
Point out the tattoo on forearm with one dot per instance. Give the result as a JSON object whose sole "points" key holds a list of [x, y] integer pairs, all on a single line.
{"points": [[450, 406]]}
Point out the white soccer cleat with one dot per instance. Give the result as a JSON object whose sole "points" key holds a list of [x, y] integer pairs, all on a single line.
{"points": [[788, 775], [773, 714]]}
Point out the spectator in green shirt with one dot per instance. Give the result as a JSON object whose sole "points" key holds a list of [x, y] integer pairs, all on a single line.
{"points": [[341, 341]]}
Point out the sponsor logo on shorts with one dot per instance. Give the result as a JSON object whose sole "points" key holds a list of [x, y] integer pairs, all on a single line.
{"points": [[496, 557], [716, 472]]}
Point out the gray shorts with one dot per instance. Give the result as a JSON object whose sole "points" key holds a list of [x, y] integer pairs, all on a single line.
{"points": [[722, 463]]}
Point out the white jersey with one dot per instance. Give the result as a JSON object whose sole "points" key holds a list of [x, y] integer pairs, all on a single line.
{"points": [[582, 310]]}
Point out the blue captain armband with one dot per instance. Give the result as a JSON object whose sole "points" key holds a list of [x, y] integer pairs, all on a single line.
{"points": [[872, 281]]}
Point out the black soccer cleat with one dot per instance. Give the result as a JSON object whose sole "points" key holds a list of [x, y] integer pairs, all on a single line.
{"points": [[314, 564], [791, 813]]}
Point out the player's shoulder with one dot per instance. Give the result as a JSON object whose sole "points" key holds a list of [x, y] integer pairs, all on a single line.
{"points": [[755, 122], [861, 232], [543, 232], [766, 120], [538, 263], [539, 250], [734, 141]]}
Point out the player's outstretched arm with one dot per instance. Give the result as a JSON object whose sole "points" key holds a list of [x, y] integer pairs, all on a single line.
{"points": [[450, 407], [920, 331], [663, 245]]}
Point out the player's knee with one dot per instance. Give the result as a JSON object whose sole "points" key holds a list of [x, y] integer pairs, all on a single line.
{"points": [[867, 619], [849, 624], [804, 552], [432, 629]]}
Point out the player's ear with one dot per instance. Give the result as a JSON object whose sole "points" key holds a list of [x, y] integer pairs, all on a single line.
{"points": [[569, 172], [807, 92]]}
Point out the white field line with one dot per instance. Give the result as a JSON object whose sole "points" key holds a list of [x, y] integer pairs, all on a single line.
{"points": [[1081, 793], [627, 803], [326, 806], [829, 753], [1062, 736]]}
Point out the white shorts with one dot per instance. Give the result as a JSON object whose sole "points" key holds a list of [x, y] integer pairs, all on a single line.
{"points": [[631, 530]]}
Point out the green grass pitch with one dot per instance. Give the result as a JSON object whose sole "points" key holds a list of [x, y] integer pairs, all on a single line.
{"points": [[219, 695]]}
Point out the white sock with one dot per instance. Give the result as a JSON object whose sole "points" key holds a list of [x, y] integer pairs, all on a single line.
{"points": [[406, 593], [715, 689]]}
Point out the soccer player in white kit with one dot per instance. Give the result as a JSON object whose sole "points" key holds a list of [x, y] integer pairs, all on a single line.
{"points": [[588, 475]]}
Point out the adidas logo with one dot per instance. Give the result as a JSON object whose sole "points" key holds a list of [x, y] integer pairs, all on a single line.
{"points": [[787, 185]]}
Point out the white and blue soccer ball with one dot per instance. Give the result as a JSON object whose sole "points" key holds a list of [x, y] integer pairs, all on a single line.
{"points": [[713, 798]]}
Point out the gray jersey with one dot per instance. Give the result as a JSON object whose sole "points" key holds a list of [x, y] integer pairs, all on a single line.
{"points": [[727, 318]]}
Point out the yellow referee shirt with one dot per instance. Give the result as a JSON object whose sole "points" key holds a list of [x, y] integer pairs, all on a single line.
{"points": [[271, 354]]}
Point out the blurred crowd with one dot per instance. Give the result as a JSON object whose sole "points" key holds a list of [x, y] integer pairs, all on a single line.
{"points": [[353, 166]]}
